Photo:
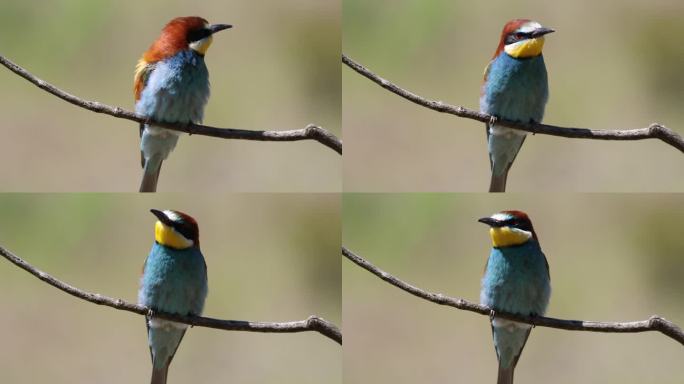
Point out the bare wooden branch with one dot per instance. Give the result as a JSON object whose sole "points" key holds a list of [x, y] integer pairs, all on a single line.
{"points": [[311, 132], [313, 323], [653, 131], [654, 323]]}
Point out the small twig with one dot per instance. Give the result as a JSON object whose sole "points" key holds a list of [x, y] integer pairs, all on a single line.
{"points": [[311, 132], [313, 323], [654, 131], [654, 323]]}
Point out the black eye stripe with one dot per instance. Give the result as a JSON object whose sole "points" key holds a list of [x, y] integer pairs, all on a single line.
{"points": [[514, 37], [198, 35], [520, 224], [186, 229]]}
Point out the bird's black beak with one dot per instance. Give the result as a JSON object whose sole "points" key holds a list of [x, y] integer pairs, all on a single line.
{"points": [[162, 217], [489, 221], [541, 32], [219, 27]]}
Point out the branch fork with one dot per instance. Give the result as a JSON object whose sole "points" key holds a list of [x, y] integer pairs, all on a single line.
{"points": [[654, 323], [312, 323]]}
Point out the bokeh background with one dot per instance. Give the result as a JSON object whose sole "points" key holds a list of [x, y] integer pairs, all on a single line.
{"points": [[612, 64], [277, 69], [269, 257], [612, 258]]}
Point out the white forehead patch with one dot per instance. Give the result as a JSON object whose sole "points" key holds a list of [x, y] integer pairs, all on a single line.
{"points": [[173, 216], [529, 27], [501, 216]]}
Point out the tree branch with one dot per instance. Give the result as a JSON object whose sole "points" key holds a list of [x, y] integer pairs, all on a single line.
{"points": [[654, 131], [313, 323], [311, 132], [654, 323]]}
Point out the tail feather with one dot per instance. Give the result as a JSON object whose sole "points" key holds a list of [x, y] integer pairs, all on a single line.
{"points": [[151, 175], [163, 346], [159, 375], [498, 182], [505, 375]]}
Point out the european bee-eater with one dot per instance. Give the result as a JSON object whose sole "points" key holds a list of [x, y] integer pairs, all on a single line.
{"points": [[516, 280], [171, 84], [515, 88], [174, 280]]}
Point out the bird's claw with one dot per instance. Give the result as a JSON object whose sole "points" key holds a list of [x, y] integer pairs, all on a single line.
{"points": [[492, 120], [492, 313]]}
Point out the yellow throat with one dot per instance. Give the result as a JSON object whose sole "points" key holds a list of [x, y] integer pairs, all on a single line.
{"points": [[201, 46], [168, 236], [507, 237], [526, 48]]}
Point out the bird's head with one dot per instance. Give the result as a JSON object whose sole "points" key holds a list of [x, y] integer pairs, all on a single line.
{"points": [[522, 38], [509, 228], [175, 229], [183, 33]]}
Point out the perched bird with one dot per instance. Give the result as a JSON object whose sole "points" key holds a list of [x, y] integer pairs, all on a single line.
{"points": [[516, 280], [515, 88], [171, 84], [174, 280]]}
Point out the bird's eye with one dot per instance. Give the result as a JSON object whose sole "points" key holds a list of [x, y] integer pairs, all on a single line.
{"points": [[198, 34], [515, 37]]}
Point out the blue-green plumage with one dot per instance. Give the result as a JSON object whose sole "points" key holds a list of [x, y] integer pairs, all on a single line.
{"points": [[176, 90], [515, 88], [175, 281], [516, 280]]}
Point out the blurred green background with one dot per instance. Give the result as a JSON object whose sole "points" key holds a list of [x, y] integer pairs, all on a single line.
{"points": [[277, 69], [269, 257], [613, 64], [612, 258]]}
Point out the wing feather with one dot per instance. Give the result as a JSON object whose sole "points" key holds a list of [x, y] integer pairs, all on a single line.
{"points": [[142, 73]]}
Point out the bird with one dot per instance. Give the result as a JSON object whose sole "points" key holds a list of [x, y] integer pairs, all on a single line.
{"points": [[515, 88], [174, 280], [516, 280], [171, 84]]}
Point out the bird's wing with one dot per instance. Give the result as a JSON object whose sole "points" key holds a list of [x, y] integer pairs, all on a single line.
{"points": [[515, 360], [516, 155], [484, 81], [181, 339], [486, 71], [142, 73], [527, 335], [548, 270]]}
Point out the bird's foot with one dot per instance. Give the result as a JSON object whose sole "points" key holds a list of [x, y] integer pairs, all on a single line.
{"points": [[532, 122], [492, 313], [492, 120], [190, 128]]}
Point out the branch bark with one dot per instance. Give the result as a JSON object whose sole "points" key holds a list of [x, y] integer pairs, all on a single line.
{"points": [[654, 323], [653, 131], [312, 323], [311, 132]]}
